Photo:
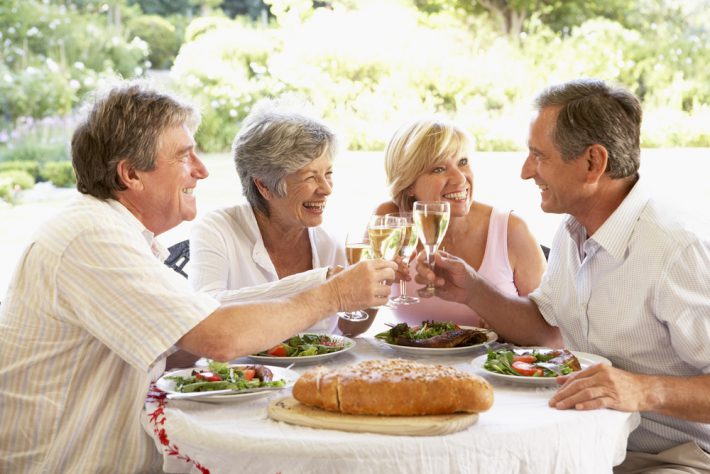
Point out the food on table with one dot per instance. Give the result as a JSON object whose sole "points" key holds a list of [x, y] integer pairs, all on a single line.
{"points": [[394, 387], [539, 362], [222, 376], [433, 334], [306, 345]]}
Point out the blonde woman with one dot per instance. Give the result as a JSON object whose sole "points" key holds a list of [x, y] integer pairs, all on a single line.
{"points": [[429, 159]]}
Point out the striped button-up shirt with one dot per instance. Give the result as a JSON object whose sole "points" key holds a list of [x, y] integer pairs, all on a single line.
{"points": [[89, 317], [638, 293]]}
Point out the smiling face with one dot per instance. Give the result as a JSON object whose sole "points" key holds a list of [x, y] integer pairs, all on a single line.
{"points": [[561, 182], [166, 195], [450, 180], [307, 191]]}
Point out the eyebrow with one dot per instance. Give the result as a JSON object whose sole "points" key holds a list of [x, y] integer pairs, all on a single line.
{"points": [[180, 151]]}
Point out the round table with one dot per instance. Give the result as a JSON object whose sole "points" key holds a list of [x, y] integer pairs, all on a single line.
{"points": [[519, 434]]}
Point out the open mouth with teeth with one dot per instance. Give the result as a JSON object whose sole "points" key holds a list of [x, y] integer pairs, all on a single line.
{"points": [[314, 206], [187, 190], [458, 196]]}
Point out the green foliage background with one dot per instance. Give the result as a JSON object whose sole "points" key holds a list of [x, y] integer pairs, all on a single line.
{"points": [[366, 65]]}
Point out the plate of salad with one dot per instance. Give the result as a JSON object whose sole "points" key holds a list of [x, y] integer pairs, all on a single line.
{"points": [[534, 365], [306, 347], [221, 376], [436, 338]]}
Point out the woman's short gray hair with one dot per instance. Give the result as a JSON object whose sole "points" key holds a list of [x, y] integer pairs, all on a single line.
{"points": [[593, 112], [277, 138]]}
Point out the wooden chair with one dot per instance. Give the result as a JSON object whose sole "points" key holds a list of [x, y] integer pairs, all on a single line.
{"points": [[179, 256]]}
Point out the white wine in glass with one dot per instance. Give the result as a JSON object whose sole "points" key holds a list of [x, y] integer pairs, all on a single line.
{"points": [[432, 220], [356, 248], [386, 236], [409, 245]]}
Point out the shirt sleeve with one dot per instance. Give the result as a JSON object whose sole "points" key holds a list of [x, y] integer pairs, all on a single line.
{"points": [[275, 289], [110, 283], [683, 302]]}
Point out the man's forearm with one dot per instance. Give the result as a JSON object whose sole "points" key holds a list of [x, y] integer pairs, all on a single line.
{"points": [[515, 318], [679, 397]]}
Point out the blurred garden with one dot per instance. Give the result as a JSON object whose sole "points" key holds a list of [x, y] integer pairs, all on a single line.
{"points": [[366, 65]]}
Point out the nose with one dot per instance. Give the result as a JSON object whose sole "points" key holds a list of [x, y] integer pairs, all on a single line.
{"points": [[528, 169], [326, 186], [456, 175], [199, 170]]}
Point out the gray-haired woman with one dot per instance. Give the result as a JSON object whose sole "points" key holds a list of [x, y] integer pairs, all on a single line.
{"points": [[284, 159]]}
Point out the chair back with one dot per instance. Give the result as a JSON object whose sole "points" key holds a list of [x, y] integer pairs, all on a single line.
{"points": [[179, 256]]}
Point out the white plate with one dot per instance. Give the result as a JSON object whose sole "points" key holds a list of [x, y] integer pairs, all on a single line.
{"points": [[426, 351], [585, 360], [349, 344], [168, 386]]}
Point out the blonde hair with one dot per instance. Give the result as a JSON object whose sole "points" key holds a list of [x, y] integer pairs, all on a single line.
{"points": [[417, 146]]}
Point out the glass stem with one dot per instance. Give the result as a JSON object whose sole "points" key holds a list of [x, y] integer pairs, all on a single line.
{"points": [[403, 288]]}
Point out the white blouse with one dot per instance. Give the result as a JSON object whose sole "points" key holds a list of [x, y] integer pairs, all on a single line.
{"points": [[229, 261]]}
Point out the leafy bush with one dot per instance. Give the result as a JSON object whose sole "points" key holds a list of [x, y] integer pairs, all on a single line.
{"points": [[59, 173], [7, 189], [29, 167], [366, 85], [19, 178], [161, 37]]}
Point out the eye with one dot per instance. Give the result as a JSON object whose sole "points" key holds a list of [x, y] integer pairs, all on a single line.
{"points": [[438, 170], [463, 162]]}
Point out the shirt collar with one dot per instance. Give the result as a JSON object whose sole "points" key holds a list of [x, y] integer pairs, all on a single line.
{"points": [[615, 233], [155, 246]]}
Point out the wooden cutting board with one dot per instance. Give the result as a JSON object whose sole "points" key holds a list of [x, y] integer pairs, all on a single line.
{"points": [[291, 411]]}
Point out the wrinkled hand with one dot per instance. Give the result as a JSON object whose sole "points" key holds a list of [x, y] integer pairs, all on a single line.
{"points": [[600, 386], [362, 285], [453, 279]]}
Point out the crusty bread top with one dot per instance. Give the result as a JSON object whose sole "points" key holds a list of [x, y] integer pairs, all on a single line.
{"points": [[396, 370]]}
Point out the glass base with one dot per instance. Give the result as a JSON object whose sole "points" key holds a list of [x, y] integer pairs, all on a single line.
{"points": [[427, 292], [354, 315], [404, 300]]}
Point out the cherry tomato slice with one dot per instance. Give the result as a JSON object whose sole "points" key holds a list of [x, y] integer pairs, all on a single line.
{"points": [[249, 373], [278, 351], [208, 376], [529, 358], [528, 370]]}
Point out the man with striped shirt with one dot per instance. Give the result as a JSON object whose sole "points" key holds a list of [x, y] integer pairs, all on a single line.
{"points": [[625, 280], [91, 312]]}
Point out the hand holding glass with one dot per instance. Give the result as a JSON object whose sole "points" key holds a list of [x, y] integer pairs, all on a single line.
{"points": [[409, 245], [431, 220]]}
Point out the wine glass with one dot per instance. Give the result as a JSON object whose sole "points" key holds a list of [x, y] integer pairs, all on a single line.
{"points": [[409, 244], [357, 247], [386, 235], [431, 219]]}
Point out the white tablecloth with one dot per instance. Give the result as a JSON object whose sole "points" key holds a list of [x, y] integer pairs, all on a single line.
{"points": [[519, 434]]}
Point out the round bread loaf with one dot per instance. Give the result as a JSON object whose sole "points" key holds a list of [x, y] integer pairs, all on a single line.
{"points": [[394, 387]]}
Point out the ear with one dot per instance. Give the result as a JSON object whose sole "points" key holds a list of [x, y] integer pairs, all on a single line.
{"points": [[128, 175], [263, 190], [596, 158]]}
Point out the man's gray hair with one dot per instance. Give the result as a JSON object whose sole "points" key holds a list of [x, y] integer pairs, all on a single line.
{"points": [[278, 138], [593, 112], [124, 122]]}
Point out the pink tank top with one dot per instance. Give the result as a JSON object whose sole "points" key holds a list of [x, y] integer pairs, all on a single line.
{"points": [[495, 267]]}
